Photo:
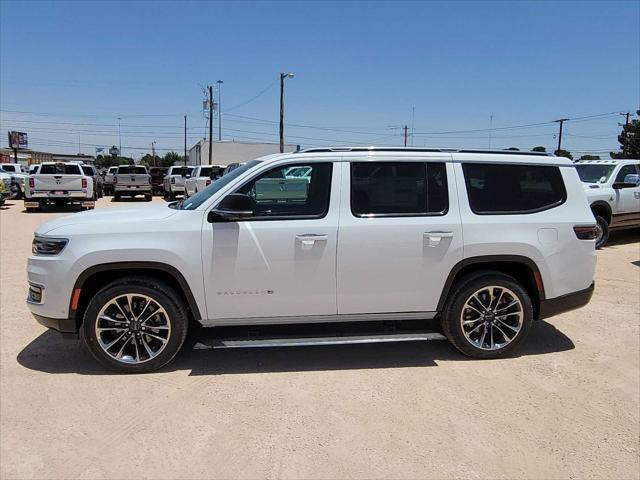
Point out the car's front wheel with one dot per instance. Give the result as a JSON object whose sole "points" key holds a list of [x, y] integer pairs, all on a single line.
{"points": [[135, 325], [488, 315]]}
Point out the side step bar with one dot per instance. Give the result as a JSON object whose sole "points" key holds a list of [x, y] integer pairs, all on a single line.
{"points": [[300, 341]]}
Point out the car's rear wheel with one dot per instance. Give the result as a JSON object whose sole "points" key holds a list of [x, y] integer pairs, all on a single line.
{"points": [[135, 325], [602, 231], [148, 198], [488, 315]]}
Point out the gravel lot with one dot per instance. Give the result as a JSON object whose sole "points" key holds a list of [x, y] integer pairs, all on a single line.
{"points": [[566, 407]]}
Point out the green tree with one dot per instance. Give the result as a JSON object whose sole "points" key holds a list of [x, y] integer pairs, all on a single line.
{"points": [[172, 158], [563, 153], [589, 157], [106, 161], [539, 148], [151, 161], [629, 140]]}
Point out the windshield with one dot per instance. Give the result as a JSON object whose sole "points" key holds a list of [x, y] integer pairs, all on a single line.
{"points": [[202, 196], [594, 173]]}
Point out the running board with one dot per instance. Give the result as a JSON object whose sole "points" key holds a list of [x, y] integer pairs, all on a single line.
{"points": [[301, 341]]}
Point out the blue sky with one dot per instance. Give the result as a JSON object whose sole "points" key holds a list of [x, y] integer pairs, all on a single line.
{"points": [[360, 67]]}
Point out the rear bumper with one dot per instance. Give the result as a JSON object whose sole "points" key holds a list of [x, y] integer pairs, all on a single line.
{"points": [[65, 326], [571, 301]]}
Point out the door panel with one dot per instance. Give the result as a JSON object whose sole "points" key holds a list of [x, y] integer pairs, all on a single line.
{"points": [[395, 264], [273, 267]]}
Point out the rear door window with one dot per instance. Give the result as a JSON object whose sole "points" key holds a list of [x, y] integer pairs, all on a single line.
{"points": [[513, 189], [398, 189]]}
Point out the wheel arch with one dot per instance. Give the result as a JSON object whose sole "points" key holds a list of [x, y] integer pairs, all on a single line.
{"points": [[91, 280], [602, 208], [521, 268]]}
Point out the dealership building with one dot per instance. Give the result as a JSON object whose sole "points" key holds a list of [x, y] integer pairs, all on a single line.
{"points": [[224, 152]]}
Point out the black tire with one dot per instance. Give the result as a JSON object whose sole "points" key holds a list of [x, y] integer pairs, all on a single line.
{"points": [[116, 198], [604, 225], [172, 196], [147, 198], [462, 291], [161, 293]]}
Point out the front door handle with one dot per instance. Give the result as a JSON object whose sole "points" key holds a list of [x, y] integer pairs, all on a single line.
{"points": [[308, 240], [433, 239]]}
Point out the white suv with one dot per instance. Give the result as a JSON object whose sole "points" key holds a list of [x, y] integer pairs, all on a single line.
{"points": [[391, 239]]}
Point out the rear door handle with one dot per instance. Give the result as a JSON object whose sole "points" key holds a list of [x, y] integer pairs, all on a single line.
{"points": [[438, 234], [433, 239], [308, 240]]}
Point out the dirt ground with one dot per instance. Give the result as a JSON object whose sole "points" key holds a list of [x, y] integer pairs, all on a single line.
{"points": [[567, 406]]}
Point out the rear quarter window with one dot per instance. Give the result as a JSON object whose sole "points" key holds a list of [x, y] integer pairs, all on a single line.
{"points": [[502, 189]]}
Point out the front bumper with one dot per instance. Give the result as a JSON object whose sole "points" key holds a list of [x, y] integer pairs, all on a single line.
{"points": [[65, 326], [571, 301]]}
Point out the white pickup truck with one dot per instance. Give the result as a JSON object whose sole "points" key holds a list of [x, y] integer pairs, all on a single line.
{"points": [[613, 192], [59, 183], [201, 178], [173, 182], [131, 180]]}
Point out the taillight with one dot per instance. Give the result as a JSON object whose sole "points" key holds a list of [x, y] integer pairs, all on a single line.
{"points": [[84, 183], [586, 232], [32, 182]]}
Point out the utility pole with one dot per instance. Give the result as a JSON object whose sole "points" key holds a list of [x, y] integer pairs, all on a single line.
{"points": [[282, 77], [219, 82], [210, 125], [406, 131], [561, 122], [153, 153], [185, 139]]}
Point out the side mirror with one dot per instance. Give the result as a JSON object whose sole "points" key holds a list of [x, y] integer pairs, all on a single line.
{"points": [[235, 206]]}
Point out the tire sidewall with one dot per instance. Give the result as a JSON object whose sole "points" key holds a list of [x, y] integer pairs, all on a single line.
{"points": [[605, 231], [161, 293], [453, 327]]}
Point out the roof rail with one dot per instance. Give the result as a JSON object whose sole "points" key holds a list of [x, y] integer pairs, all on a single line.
{"points": [[418, 149]]}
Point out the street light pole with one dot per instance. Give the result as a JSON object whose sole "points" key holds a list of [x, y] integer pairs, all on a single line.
{"points": [[219, 82], [282, 77]]}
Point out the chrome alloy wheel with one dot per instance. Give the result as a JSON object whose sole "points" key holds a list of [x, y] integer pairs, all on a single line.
{"points": [[491, 317], [599, 233], [132, 328]]}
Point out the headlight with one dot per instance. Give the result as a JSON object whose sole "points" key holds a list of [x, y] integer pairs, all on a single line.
{"points": [[48, 245]]}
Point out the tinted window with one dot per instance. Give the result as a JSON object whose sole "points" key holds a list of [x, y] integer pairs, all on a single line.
{"points": [[398, 188], [502, 189], [60, 169], [624, 171], [131, 170], [88, 171], [276, 195]]}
